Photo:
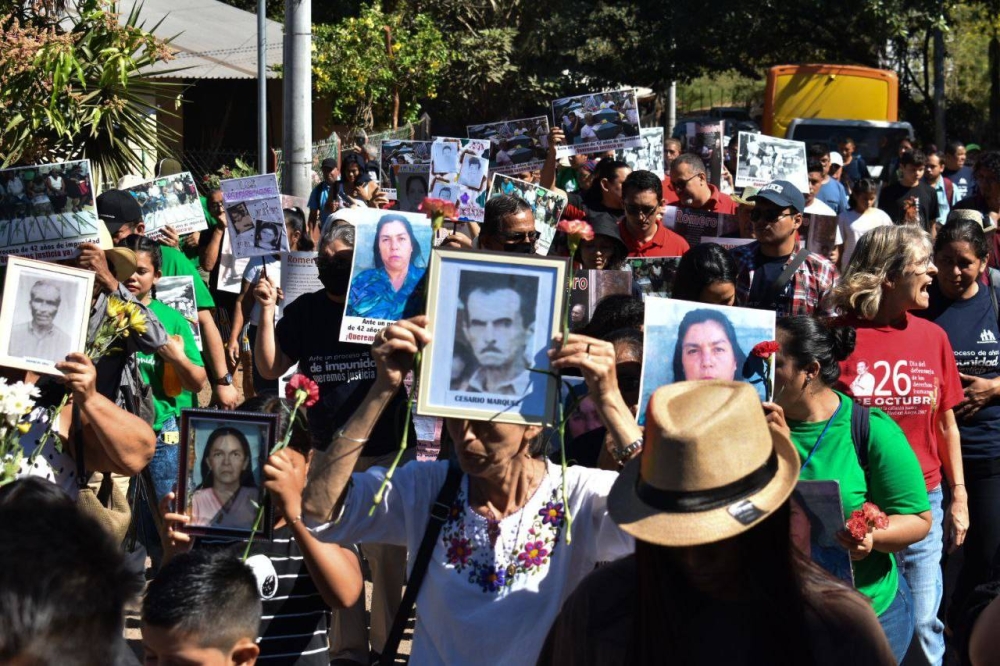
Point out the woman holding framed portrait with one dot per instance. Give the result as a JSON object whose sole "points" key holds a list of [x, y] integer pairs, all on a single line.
{"points": [[505, 557]]}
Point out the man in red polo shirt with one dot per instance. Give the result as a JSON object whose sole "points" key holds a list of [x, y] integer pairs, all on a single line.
{"points": [[689, 188], [642, 229]]}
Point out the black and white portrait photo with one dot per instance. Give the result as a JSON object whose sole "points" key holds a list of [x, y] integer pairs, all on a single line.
{"points": [[239, 217], [444, 157], [473, 175], [493, 317], [413, 187], [267, 236], [44, 315]]}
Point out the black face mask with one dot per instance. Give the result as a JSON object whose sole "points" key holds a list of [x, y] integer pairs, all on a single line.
{"points": [[335, 275]]}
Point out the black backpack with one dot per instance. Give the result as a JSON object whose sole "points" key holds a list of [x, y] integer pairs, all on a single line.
{"points": [[860, 434]]}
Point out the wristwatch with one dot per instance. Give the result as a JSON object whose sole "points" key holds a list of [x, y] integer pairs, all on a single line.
{"points": [[227, 380], [622, 454]]}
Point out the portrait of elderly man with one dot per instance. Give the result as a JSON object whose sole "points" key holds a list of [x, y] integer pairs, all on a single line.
{"points": [[498, 322], [40, 338]]}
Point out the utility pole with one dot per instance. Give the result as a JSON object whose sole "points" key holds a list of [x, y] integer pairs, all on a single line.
{"points": [[939, 102], [261, 86], [296, 143]]}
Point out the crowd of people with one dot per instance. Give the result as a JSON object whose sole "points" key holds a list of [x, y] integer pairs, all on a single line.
{"points": [[654, 541]]}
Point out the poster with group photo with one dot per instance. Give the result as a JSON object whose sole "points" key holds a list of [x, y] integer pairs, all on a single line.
{"points": [[684, 340], [590, 287], [597, 122], [460, 174], [395, 155], [704, 139], [546, 205], [763, 158], [255, 214], [299, 276], [170, 201], [391, 253], [653, 276], [47, 211], [647, 157], [492, 317], [178, 292], [518, 145]]}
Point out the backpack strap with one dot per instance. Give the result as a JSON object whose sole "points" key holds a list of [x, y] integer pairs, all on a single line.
{"points": [[439, 514], [778, 286], [860, 435]]}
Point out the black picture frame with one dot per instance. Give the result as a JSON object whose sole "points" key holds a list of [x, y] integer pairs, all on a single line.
{"points": [[260, 431]]}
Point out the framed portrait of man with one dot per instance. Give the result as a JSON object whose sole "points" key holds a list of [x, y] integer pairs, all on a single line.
{"points": [[221, 479], [492, 316], [44, 314]]}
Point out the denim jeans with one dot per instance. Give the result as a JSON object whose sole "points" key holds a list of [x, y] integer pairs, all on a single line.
{"points": [[164, 472], [921, 565], [897, 621]]}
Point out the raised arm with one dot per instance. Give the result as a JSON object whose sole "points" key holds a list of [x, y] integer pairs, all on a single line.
{"points": [[271, 362], [331, 470]]}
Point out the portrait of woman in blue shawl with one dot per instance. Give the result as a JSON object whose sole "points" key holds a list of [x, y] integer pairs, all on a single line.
{"points": [[389, 290]]}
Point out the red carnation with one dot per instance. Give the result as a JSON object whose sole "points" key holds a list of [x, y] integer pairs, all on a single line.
{"points": [[866, 519], [577, 230], [300, 382], [765, 349], [438, 207]]}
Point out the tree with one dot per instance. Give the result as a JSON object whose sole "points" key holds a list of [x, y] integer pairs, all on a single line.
{"points": [[74, 90], [378, 66]]}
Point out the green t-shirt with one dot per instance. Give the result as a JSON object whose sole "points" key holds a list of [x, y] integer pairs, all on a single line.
{"points": [[566, 180], [897, 484], [151, 366], [175, 263]]}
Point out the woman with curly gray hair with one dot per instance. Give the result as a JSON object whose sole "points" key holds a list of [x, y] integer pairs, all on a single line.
{"points": [[905, 366]]}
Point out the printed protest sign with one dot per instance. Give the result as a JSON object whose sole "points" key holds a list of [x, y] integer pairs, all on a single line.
{"points": [[704, 139], [729, 243], [517, 145], [653, 276], [230, 277], [696, 225], [413, 181], [592, 287], [299, 275], [648, 156], [170, 201], [684, 340], [597, 122], [394, 155], [47, 211], [387, 275], [460, 174], [763, 158], [256, 220], [817, 514], [178, 292], [547, 206]]}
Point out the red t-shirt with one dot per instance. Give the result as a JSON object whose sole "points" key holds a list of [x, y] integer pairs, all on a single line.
{"points": [[665, 243], [911, 375], [718, 203]]}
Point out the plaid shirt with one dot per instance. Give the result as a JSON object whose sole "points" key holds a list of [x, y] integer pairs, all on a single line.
{"points": [[812, 281]]}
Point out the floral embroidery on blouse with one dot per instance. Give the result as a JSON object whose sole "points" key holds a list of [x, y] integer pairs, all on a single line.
{"points": [[469, 550]]}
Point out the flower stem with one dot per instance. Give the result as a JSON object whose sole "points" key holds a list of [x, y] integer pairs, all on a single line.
{"points": [[559, 411], [53, 424], [300, 397], [402, 441]]}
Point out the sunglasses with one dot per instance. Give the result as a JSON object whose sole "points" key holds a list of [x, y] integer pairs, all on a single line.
{"points": [[511, 237], [641, 211], [759, 215]]}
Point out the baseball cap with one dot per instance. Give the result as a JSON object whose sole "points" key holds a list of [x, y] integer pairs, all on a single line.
{"points": [[836, 158], [781, 193], [117, 208], [329, 163]]}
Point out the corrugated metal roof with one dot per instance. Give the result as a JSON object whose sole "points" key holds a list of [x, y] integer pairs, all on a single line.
{"points": [[212, 39]]}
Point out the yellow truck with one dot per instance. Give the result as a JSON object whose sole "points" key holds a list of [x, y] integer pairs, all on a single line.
{"points": [[841, 92]]}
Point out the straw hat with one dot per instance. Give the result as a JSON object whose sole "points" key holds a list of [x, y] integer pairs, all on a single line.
{"points": [[122, 260], [744, 198], [711, 467], [985, 221]]}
